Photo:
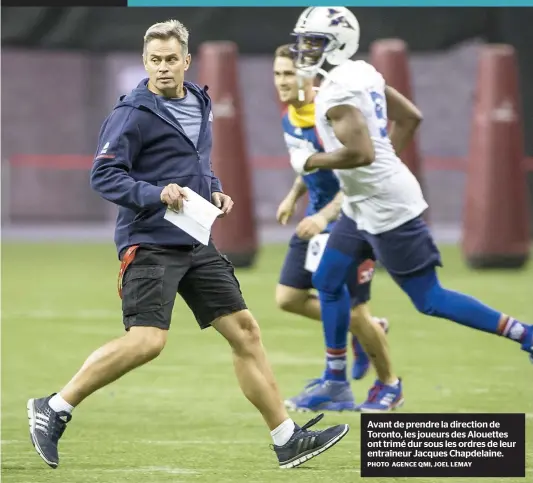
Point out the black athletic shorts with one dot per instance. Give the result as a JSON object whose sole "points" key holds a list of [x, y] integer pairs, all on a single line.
{"points": [[151, 275]]}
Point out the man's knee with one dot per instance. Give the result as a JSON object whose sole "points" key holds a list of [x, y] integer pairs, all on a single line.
{"points": [[426, 292], [330, 276], [429, 301], [241, 331], [359, 316], [326, 281], [147, 342], [290, 299]]}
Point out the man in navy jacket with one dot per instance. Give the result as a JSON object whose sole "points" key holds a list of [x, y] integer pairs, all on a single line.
{"points": [[156, 142]]}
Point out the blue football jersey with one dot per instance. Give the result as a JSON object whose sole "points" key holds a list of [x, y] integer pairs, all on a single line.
{"points": [[322, 185]]}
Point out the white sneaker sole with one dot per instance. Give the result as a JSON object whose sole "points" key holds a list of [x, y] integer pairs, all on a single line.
{"points": [[398, 405], [290, 406]]}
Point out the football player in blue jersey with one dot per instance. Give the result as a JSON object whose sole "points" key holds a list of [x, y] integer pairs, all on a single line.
{"points": [[294, 294]]}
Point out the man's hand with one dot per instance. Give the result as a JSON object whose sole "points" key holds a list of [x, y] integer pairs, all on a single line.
{"points": [[173, 196], [311, 226], [285, 210], [223, 202], [299, 156]]}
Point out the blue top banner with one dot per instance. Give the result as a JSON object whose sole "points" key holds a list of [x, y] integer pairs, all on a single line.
{"points": [[325, 3]]}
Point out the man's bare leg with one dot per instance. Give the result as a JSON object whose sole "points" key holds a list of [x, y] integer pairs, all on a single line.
{"points": [[293, 445], [48, 416], [374, 342], [252, 368], [111, 361]]}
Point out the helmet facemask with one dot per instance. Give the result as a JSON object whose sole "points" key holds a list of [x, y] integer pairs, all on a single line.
{"points": [[310, 51]]}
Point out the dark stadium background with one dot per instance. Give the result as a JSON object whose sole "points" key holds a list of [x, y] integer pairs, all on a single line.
{"points": [[182, 417]]}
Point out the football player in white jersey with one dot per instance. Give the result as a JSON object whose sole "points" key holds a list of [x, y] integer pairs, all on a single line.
{"points": [[383, 202], [331, 391]]}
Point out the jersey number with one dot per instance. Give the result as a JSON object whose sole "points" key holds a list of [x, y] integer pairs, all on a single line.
{"points": [[381, 112]]}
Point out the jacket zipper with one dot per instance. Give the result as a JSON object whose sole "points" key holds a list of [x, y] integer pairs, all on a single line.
{"points": [[175, 126]]}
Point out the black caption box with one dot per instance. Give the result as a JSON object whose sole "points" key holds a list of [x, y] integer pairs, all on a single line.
{"points": [[443, 445]]}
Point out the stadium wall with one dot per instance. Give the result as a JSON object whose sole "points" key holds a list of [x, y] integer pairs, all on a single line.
{"points": [[48, 140]]}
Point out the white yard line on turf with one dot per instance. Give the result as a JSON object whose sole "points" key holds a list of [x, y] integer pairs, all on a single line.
{"points": [[148, 441], [56, 314]]}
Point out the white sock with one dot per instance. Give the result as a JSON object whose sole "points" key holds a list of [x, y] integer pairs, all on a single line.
{"points": [[283, 432], [395, 383], [58, 404]]}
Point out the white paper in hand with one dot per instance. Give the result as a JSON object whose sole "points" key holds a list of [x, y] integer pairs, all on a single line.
{"points": [[315, 249], [196, 218]]}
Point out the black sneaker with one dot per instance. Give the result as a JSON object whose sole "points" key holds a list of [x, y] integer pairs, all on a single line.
{"points": [[46, 427], [305, 445]]}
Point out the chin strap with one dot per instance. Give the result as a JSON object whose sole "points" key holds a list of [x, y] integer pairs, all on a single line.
{"points": [[323, 73], [301, 93]]}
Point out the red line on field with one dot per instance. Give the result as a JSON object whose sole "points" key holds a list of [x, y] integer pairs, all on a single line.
{"points": [[76, 161]]}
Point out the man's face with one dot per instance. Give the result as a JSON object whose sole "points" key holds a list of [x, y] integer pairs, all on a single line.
{"points": [[166, 65], [310, 50], [285, 79]]}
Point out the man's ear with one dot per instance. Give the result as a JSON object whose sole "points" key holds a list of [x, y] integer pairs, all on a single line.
{"points": [[144, 62], [188, 60]]}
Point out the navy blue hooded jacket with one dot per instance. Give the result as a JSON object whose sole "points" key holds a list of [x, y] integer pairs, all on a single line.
{"points": [[141, 149]]}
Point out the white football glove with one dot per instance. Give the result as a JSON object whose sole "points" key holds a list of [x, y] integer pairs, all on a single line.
{"points": [[299, 156]]}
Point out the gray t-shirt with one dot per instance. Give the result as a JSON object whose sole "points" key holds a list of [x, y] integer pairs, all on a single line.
{"points": [[188, 112]]}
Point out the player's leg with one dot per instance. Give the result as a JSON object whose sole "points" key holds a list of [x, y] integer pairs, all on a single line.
{"points": [[333, 391], [148, 293], [293, 295], [293, 292], [362, 322], [213, 293], [347, 248], [340, 255], [387, 392], [410, 255], [298, 301], [373, 331], [334, 279]]}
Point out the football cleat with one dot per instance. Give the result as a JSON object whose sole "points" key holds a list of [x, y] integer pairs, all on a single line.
{"points": [[323, 395], [383, 398]]}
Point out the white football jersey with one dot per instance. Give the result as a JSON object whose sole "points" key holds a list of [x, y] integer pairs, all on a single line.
{"points": [[385, 194]]}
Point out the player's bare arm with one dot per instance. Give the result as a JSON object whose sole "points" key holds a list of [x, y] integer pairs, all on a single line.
{"points": [[351, 130], [297, 190], [314, 224], [405, 117], [287, 206], [332, 210]]}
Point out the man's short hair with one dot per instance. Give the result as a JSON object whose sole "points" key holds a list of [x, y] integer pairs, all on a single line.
{"points": [[168, 30], [284, 51]]}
